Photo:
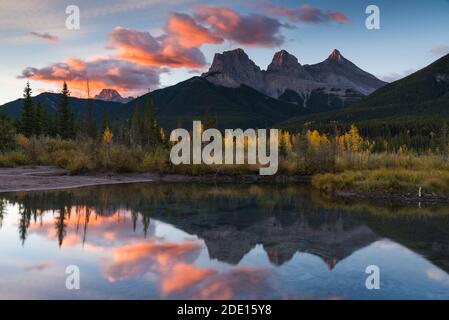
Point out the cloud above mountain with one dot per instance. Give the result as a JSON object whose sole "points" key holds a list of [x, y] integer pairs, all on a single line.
{"points": [[178, 46], [102, 72], [306, 14], [254, 30], [140, 56], [143, 48], [188, 32]]}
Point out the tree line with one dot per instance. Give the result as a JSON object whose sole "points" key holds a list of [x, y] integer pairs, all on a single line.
{"points": [[35, 121]]}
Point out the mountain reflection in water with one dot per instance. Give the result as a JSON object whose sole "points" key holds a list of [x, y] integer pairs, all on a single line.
{"points": [[163, 241]]}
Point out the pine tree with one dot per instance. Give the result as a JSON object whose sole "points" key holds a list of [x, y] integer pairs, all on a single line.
{"points": [[44, 123], [91, 122], [148, 124], [7, 133], [65, 116], [38, 121], [53, 125], [27, 118], [135, 134]]}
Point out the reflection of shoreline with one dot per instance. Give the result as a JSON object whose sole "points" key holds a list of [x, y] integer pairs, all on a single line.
{"points": [[233, 219]]}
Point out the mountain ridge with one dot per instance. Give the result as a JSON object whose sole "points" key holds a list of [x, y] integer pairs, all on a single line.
{"points": [[421, 95], [336, 76]]}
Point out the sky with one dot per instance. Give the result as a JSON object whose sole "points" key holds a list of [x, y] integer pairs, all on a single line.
{"points": [[139, 45]]}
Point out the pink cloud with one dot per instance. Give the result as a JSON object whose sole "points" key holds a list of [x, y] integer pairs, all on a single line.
{"points": [[102, 73], [440, 50], [188, 32], [254, 30]]}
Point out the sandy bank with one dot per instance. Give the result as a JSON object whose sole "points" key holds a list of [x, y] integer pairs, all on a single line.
{"points": [[29, 178]]}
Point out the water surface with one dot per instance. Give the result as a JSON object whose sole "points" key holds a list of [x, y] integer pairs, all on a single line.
{"points": [[164, 241]]}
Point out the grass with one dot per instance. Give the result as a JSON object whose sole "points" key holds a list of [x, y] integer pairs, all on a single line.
{"points": [[332, 172], [87, 156], [385, 180]]}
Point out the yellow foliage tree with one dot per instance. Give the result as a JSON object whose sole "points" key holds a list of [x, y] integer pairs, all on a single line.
{"points": [[107, 136], [353, 139]]}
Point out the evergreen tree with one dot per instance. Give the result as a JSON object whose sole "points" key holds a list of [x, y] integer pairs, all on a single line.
{"points": [[71, 126], [52, 125], [38, 120], [65, 117], [117, 130], [44, 122], [27, 118], [149, 132], [135, 126], [7, 133], [91, 123]]}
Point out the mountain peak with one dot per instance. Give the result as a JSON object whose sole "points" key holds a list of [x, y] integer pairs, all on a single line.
{"points": [[286, 64], [234, 68], [336, 56], [282, 59], [111, 95]]}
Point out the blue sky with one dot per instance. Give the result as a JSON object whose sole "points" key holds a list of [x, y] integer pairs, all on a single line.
{"points": [[129, 44]]}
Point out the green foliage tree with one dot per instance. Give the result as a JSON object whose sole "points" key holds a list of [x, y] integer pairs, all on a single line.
{"points": [[38, 120], [135, 131], [91, 122], [44, 121], [27, 120], [66, 123], [7, 133], [149, 125]]}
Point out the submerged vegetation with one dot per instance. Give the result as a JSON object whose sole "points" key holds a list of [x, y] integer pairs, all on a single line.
{"points": [[339, 159]]}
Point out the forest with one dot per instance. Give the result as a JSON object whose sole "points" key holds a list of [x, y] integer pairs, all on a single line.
{"points": [[402, 157]]}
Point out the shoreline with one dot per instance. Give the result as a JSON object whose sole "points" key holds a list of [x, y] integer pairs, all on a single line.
{"points": [[398, 197], [47, 178], [40, 178]]}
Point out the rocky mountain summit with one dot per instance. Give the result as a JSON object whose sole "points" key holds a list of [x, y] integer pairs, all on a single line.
{"points": [[112, 95], [336, 80]]}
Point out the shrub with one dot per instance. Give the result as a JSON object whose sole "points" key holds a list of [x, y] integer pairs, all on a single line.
{"points": [[7, 135], [13, 159], [156, 161]]}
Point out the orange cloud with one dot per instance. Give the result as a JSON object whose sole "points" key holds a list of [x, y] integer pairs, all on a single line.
{"points": [[140, 258], [253, 30], [143, 48], [183, 276], [188, 32]]}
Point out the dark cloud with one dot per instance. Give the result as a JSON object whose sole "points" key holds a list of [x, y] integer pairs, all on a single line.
{"points": [[307, 14], [45, 36]]}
